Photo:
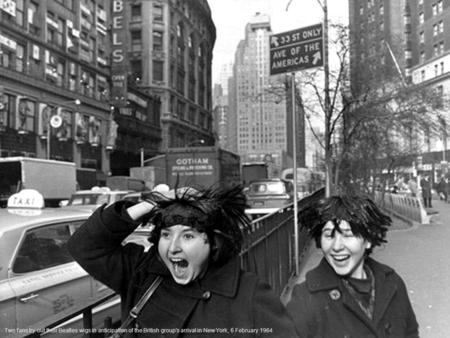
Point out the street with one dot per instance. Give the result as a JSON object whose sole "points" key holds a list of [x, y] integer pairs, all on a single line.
{"points": [[420, 255]]}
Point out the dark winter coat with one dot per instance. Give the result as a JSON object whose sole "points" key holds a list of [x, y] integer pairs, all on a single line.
{"points": [[225, 298], [426, 188], [322, 307]]}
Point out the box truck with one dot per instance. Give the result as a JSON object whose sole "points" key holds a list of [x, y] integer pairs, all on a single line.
{"points": [[195, 166], [55, 180]]}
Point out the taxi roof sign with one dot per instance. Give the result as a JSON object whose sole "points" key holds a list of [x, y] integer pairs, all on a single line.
{"points": [[26, 199]]}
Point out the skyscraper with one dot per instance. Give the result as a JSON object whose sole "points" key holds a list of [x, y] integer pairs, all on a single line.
{"points": [[259, 100]]}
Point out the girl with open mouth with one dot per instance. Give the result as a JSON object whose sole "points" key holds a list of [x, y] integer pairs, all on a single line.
{"points": [[196, 241]]}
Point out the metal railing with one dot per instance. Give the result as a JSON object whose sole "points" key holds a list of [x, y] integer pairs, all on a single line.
{"points": [[268, 251]]}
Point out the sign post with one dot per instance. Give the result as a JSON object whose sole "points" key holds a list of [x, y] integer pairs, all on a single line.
{"points": [[289, 52]]}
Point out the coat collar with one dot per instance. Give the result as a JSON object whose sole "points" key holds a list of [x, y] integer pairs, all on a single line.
{"points": [[221, 280], [323, 276]]}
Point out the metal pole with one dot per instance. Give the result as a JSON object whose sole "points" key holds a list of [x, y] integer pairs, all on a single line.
{"points": [[48, 139], [294, 168], [328, 140]]}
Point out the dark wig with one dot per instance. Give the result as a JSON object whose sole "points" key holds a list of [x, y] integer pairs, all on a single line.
{"points": [[220, 213], [363, 215]]}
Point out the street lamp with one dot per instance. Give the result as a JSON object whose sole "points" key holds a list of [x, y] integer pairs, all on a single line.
{"points": [[55, 121], [200, 141]]}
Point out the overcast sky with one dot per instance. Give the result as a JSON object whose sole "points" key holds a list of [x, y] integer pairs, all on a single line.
{"points": [[231, 16]]}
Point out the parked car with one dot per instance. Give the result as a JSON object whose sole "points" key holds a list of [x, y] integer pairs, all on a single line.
{"points": [[38, 276], [265, 196], [95, 197]]}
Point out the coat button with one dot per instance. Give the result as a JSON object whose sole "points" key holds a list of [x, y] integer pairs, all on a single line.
{"points": [[388, 328], [206, 295]]}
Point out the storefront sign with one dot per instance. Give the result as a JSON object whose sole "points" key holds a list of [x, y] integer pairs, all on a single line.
{"points": [[119, 62]]}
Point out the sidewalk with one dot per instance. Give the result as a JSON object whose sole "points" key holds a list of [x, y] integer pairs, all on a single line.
{"points": [[420, 254]]}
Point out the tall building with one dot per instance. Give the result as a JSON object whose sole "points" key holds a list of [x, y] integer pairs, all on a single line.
{"points": [[260, 100], [377, 47], [223, 119], [419, 39], [55, 59], [170, 44]]}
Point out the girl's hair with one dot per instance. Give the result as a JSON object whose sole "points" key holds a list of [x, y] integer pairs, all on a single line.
{"points": [[220, 213], [363, 215]]}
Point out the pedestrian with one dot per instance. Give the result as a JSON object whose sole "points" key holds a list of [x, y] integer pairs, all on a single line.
{"points": [[349, 294], [412, 185], [196, 240], [447, 187], [441, 189], [425, 185]]}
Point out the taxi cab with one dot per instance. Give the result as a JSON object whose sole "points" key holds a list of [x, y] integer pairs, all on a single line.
{"points": [[38, 276], [95, 197]]}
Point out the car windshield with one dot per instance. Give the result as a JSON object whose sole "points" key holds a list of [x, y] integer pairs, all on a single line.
{"points": [[267, 188]]}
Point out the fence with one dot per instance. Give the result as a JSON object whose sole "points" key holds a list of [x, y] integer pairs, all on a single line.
{"points": [[404, 206]]}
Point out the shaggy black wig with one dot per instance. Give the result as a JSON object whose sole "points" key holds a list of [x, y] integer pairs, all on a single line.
{"points": [[220, 213], [363, 215]]}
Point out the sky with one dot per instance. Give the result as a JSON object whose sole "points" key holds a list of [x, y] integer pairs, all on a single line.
{"points": [[231, 16]]}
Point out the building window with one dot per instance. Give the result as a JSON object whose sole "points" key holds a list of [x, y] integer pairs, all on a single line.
{"points": [[136, 41], [422, 37], [60, 70], [436, 70], [136, 13], [19, 12], [158, 13], [136, 70], [19, 58], [422, 75], [382, 26], [442, 67], [158, 70], [381, 10], [435, 30], [26, 113], [32, 10], [441, 47], [440, 6], [179, 31], [422, 56], [434, 9], [157, 40], [435, 49], [441, 26], [421, 18], [361, 10]]}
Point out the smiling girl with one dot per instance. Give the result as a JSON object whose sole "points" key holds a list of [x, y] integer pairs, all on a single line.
{"points": [[350, 294]]}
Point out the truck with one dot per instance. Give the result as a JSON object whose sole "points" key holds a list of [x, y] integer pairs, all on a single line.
{"points": [[125, 183], [200, 167], [55, 180], [253, 171]]}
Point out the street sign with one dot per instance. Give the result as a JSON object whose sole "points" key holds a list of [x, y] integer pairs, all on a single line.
{"points": [[296, 50]]}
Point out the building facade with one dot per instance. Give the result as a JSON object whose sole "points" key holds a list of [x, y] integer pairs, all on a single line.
{"points": [[55, 59], [260, 101], [170, 44], [377, 42], [418, 32]]}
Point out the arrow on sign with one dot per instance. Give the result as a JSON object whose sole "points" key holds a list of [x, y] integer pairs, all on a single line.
{"points": [[316, 57], [274, 41]]}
